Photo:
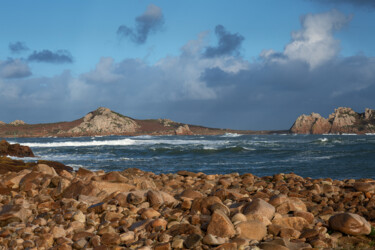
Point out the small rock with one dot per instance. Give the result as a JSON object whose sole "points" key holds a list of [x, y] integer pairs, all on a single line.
{"points": [[192, 241], [150, 213], [252, 230], [298, 223], [127, 237], [213, 240], [110, 239]]}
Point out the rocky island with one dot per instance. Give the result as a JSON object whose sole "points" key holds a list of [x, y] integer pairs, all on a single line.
{"points": [[47, 205], [343, 120], [104, 121]]}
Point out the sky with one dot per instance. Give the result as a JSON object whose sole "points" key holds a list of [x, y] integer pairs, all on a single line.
{"points": [[244, 64]]}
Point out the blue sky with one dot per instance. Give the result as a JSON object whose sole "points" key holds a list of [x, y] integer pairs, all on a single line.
{"points": [[238, 64]]}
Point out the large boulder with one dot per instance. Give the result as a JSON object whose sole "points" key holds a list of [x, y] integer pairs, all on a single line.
{"points": [[349, 223], [220, 225], [15, 150]]}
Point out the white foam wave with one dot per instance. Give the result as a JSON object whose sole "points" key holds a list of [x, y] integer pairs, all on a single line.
{"points": [[370, 134], [323, 139], [122, 142], [231, 135]]}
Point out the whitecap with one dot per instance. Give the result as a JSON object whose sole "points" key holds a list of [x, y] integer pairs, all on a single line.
{"points": [[231, 135], [122, 142]]}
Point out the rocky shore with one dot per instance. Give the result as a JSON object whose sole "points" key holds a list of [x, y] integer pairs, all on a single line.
{"points": [[47, 205]]}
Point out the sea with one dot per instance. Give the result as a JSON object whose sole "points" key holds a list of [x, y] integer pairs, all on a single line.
{"points": [[316, 156]]}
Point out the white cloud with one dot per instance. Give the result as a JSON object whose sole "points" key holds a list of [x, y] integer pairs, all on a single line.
{"points": [[315, 44]]}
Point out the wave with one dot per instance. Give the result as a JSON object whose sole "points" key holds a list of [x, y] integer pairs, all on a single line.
{"points": [[231, 135], [323, 139], [122, 142]]}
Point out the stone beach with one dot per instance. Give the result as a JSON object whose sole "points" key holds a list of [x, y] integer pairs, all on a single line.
{"points": [[47, 205]]}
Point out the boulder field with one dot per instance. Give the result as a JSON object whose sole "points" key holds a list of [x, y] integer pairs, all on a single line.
{"points": [[343, 120], [47, 205]]}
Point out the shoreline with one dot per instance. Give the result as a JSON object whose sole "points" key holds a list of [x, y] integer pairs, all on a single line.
{"points": [[49, 205]]}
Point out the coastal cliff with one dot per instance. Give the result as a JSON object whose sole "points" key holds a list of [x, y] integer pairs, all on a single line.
{"points": [[343, 120]]}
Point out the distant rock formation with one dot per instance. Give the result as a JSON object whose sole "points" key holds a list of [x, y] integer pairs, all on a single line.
{"points": [[343, 120], [2, 123], [166, 122], [14, 150], [17, 122], [104, 121], [183, 130]]}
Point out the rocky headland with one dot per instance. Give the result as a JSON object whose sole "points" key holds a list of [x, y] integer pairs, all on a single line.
{"points": [[47, 205], [343, 120], [103, 121]]}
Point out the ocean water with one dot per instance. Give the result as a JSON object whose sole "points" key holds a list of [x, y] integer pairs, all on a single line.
{"points": [[315, 156]]}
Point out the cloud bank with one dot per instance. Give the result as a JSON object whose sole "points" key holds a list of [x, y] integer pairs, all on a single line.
{"points": [[47, 56], [309, 75], [149, 22], [17, 47], [14, 68]]}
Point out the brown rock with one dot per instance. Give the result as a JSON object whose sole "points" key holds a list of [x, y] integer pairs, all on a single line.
{"points": [[220, 225], [154, 198], [252, 230], [183, 229], [192, 241], [45, 169], [203, 204], [59, 167], [227, 246], [191, 194], [110, 239], [364, 186], [349, 223], [15, 150], [79, 187], [150, 213], [297, 223], [259, 207], [163, 246], [306, 215], [14, 213], [289, 233]]}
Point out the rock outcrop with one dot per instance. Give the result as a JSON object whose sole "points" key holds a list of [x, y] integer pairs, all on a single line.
{"points": [[343, 120], [17, 123], [2, 123], [15, 150], [103, 121], [183, 130]]}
